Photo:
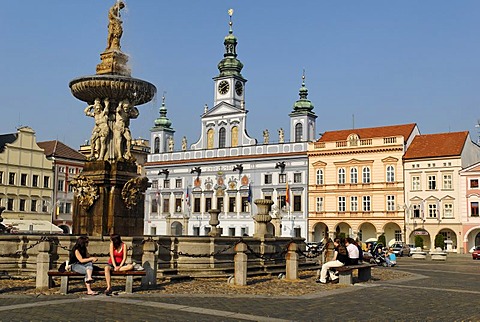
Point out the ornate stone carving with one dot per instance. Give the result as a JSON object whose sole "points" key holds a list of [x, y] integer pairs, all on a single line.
{"points": [[132, 191], [266, 137], [98, 141], [85, 190], [115, 29], [121, 129]]}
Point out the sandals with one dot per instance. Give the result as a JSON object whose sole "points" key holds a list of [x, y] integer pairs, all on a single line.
{"points": [[108, 292], [90, 281], [93, 293]]}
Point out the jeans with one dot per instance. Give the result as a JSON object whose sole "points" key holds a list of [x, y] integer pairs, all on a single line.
{"points": [[82, 268]]}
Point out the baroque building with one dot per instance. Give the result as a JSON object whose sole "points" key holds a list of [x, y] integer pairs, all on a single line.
{"points": [[356, 184], [227, 169]]}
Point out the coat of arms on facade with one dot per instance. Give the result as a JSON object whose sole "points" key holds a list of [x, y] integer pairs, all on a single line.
{"points": [[232, 183], [244, 181], [208, 184], [197, 182], [132, 191], [85, 190]]}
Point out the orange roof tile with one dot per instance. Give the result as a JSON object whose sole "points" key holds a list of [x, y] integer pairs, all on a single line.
{"points": [[58, 149], [437, 145], [368, 133]]}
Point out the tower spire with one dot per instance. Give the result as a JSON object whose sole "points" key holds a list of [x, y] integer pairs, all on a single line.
{"points": [[230, 65]]}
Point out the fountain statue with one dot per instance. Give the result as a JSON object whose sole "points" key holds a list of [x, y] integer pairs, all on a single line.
{"points": [[104, 190]]}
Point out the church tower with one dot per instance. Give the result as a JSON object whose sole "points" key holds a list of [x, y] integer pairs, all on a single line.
{"points": [[161, 137], [302, 118]]}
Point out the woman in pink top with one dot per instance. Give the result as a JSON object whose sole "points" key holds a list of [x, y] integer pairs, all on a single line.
{"points": [[117, 261]]}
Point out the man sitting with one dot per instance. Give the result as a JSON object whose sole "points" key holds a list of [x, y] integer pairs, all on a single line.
{"points": [[340, 258], [353, 252]]}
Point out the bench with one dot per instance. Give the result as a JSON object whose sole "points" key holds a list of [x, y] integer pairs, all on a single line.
{"points": [[345, 273], [66, 276]]}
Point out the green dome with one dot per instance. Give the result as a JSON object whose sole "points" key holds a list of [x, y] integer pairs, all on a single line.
{"points": [[163, 120], [303, 104], [230, 65]]}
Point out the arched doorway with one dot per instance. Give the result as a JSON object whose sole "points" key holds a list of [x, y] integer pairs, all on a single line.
{"points": [[450, 237], [177, 228], [472, 238], [343, 230], [320, 231], [367, 232], [424, 235], [393, 233], [65, 228]]}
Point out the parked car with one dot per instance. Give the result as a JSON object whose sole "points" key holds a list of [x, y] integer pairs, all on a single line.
{"points": [[476, 253], [401, 249], [472, 249]]}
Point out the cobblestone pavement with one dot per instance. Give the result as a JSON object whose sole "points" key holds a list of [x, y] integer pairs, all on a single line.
{"points": [[437, 291]]}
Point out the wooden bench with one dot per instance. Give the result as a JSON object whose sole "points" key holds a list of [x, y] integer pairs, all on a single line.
{"points": [[345, 273], [66, 276]]}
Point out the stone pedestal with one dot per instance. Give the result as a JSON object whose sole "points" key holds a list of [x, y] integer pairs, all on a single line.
{"points": [[214, 232], [114, 62], [109, 212], [262, 218]]}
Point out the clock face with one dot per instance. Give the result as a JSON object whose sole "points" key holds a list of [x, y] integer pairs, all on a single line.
{"points": [[223, 87], [239, 88]]}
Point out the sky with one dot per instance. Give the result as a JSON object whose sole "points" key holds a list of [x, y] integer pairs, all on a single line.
{"points": [[367, 63]]}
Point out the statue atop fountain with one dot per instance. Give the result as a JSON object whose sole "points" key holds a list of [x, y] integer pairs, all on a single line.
{"points": [[112, 97]]}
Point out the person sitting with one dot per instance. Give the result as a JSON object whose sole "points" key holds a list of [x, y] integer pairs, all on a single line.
{"points": [[391, 258], [82, 263], [340, 258], [117, 260], [353, 252]]}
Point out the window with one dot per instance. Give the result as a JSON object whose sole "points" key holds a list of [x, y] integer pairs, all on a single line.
{"points": [[319, 204], [178, 183], [473, 208], [244, 231], [61, 208], [11, 178], [245, 204], [44, 206], [297, 178], [415, 183], [282, 178], [366, 203], [196, 231], [319, 178], [366, 175], [22, 205], [35, 180], [222, 138], [210, 135], [69, 187], [166, 205], [390, 173], [231, 231], [432, 210], [298, 132], [178, 204], [61, 169], [432, 182], [154, 207], [297, 203], [353, 203], [61, 185], [390, 203], [46, 182], [196, 204], [33, 206], [398, 235], [231, 204], [341, 176], [10, 204], [154, 184], [341, 204], [473, 183], [71, 170], [447, 181], [448, 210], [156, 145], [234, 138], [208, 204], [282, 201], [268, 179], [1, 177], [68, 208], [220, 203], [23, 179], [416, 211], [166, 183], [153, 231], [354, 175]]}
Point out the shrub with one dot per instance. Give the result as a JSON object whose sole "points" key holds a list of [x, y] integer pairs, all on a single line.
{"points": [[382, 240], [418, 241], [439, 241]]}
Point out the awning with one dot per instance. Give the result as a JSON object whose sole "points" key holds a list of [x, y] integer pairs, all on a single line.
{"points": [[32, 226]]}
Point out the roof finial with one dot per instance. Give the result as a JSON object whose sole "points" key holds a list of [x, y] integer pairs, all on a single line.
{"points": [[303, 77], [163, 97], [230, 23]]}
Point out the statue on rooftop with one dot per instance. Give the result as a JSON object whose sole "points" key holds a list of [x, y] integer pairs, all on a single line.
{"points": [[115, 29], [281, 135], [184, 143], [266, 137]]}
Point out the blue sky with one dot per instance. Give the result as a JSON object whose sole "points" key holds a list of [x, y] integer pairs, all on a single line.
{"points": [[386, 62]]}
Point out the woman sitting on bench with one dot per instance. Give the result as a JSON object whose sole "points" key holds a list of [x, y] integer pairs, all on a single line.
{"points": [[82, 263], [117, 260]]}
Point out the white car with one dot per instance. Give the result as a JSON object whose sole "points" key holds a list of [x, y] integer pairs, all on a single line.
{"points": [[472, 249]]}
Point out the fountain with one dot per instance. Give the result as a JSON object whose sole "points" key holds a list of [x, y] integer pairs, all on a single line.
{"points": [[109, 194]]}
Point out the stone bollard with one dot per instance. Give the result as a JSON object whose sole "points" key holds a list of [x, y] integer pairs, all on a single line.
{"points": [[43, 265], [291, 263], [150, 263], [241, 266]]}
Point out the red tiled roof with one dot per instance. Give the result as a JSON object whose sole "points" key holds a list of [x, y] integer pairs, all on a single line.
{"points": [[58, 149], [369, 133], [437, 145]]}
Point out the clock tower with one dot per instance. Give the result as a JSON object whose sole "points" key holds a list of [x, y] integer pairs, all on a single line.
{"points": [[230, 84]]}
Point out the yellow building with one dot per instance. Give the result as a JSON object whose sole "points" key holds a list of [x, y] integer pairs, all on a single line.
{"points": [[25, 181], [356, 184]]}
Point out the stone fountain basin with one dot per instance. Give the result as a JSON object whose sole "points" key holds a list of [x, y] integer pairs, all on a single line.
{"points": [[114, 87]]}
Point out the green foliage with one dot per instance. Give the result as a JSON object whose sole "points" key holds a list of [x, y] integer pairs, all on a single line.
{"points": [[341, 235], [382, 240], [418, 241], [439, 241]]}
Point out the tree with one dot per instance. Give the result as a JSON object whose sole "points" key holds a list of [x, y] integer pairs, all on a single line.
{"points": [[382, 240], [439, 241], [418, 241]]}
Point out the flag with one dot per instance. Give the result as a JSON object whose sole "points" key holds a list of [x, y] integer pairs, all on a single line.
{"points": [[187, 196], [287, 196], [422, 210], [249, 198]]}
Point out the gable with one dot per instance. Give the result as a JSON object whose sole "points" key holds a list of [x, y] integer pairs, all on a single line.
{"points": [[222, 109]]}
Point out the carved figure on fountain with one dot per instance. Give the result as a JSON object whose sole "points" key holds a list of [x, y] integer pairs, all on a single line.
{"points": [[98, 141], [132, 191], [122, 136], [115, 29], [85, 190]]}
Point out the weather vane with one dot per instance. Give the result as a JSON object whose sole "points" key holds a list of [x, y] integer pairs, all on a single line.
{"points": [[303, 77], [230, 13]]}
